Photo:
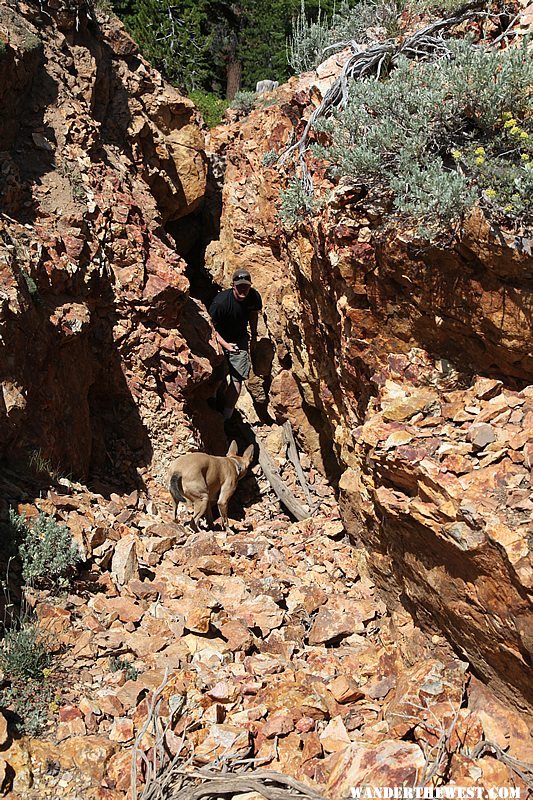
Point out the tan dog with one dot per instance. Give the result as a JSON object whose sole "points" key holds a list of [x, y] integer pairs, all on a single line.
{"points": [[201, 479]]}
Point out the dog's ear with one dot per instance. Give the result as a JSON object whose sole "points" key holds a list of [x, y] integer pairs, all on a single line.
{"points": [[248, 455], [232, 449]]}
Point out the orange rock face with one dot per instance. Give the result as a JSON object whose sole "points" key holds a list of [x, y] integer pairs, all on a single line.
{"points": [[402, 369]]}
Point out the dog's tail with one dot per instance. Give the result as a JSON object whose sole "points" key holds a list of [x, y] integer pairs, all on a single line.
{"points": [[176, 488]]}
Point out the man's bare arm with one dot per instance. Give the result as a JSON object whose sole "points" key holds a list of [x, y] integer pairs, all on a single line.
{"points": [[254, 316], [231, 346]]}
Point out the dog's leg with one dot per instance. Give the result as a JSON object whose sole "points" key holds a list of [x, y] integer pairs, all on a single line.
{"points": [[224, 497], [209, 516], [201, 506], [223, 508]]}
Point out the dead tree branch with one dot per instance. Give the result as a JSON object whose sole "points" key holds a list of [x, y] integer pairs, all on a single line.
{"points": [[523, 769], [292, 452], [282, 492], [268, 783]]}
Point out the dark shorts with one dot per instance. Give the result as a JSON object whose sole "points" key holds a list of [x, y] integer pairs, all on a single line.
{"points": [[239, 365]]}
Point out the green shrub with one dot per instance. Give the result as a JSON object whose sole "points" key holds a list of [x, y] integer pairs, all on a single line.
{"points": [[210, 106], [244, 101], [269, 158], [28, 703], [116, 664], [296, 203], [417, 136], [312, 42], [25, 651], [47, 550], [443, 8]]}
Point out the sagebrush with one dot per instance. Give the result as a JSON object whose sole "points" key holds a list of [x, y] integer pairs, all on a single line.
{"points": [[436, 138], [296, 203], [46, 549], [314, 40], [25, 651], [243, 101]]}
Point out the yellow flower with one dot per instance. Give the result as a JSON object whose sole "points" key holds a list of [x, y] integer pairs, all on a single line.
{"points": [[510, 123], [480, 160], [47, 672], [507, 115], [524, 135], [490, 193], [515, 131], [456, 154], [479, 151], [508, 208], [524, 157], [53, 707]]}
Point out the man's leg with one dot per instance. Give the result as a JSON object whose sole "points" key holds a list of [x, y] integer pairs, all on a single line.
{"points": [[232, 395]]}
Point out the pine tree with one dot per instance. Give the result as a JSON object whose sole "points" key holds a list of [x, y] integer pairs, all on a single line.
{"points": [[215, 45], [175, 37]]}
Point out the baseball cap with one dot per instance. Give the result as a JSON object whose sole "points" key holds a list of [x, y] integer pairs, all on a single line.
{"points": [[242, 276]]}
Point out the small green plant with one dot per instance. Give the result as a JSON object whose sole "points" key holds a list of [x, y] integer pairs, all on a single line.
{"points": [[296, 203], [210, 106], [244, 101], [28, 703], [25, 651], [116, 663], [30, 285], [47, 550], [41, 466], [269, 158], [103, 6], [72, 173]]}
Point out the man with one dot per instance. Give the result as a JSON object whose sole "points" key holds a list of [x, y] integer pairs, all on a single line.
{"points": [[232, 311]]}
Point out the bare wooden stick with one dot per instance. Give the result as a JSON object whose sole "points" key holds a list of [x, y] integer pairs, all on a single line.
{"points": [[282, 492], [522, 768], [268, 783], [295, 460]]}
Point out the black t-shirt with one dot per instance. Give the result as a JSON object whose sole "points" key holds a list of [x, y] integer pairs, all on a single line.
{"points": [[230, 316]]}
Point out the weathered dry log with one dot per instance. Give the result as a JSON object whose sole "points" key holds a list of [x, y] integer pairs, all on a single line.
{"points": [[282, 492], [292, 452]]}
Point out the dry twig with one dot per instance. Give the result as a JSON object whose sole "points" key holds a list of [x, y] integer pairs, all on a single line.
{"points": [[167, 778], [523, 769]]}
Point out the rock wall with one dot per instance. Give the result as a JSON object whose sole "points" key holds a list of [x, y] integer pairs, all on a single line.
{"points": [[101, 346], [402, 368]]}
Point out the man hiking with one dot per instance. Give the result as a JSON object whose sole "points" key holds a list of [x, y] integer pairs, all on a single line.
{"points": [[231, 311]]}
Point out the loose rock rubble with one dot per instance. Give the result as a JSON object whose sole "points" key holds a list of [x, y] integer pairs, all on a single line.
{"points": [[274, 646]]}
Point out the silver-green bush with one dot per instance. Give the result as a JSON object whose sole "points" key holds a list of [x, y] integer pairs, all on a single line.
{"points": [[25, 651], [312, 41], [296, 203], [47, 551], [243, 101], [439, 137]]}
